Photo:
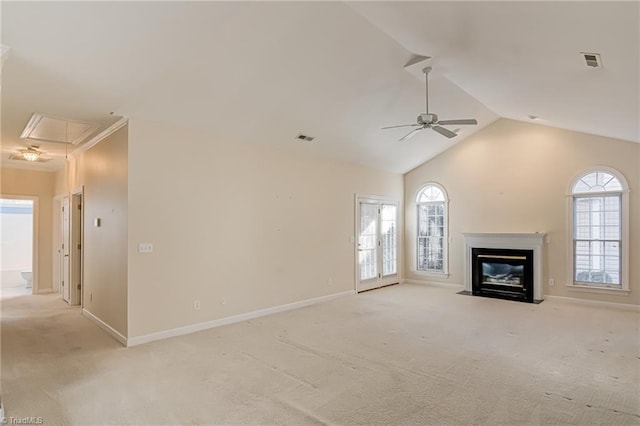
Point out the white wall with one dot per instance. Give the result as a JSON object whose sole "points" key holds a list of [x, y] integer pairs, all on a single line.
{"points": [[16, 237], [515, 177], [17, 241], [246, 223]]}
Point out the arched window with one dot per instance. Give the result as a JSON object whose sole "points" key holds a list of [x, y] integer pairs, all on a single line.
{"points": [[599, 243], [432, 229]]}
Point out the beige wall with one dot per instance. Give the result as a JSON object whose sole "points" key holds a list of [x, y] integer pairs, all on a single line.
{"points": [[514, 177], [38, 184], [255, 226], [103, 172]]}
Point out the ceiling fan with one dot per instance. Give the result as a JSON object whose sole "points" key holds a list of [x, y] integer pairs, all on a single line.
{"points": [[31, 153], [429, 120]]}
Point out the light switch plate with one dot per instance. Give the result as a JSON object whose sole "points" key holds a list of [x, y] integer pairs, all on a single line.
{"points": [[145, 248]]}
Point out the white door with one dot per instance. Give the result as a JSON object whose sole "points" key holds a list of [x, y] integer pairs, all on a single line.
{"points": [[65, 284], [377, 244], [75, 250]]}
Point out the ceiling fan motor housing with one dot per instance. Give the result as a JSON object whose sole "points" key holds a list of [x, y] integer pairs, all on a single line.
{"points": [[427, 118]]}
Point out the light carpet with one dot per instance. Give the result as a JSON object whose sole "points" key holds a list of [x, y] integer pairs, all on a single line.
{"points": [[402, 355]]}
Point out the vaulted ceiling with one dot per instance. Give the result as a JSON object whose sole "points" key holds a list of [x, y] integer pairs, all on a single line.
{"points": [[264, 72]]}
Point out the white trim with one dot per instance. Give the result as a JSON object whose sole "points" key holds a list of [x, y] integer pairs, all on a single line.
{"points": [[188, 329], [597, 289], [46, 291], [624, 225], [106, 327], [434, 284], [592, 169], [430, 183], [100, 136], [597, 303], [430, 273]]}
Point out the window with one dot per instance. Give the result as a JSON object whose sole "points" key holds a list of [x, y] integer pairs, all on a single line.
{"points": [[599, 246], [432, 229]]}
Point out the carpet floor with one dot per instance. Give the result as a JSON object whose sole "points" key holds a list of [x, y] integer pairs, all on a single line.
{"points": [[402, 355]]}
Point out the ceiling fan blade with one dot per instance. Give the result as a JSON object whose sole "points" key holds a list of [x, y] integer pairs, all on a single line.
{"points": [[445, 132], [401, 125], [462, 121], [410, 134]]}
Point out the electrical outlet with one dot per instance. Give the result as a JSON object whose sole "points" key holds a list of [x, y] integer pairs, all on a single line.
{"points": [[145, 248], [552, 282], [196, 305], [90, 297], [330, 282], [223, 300]]}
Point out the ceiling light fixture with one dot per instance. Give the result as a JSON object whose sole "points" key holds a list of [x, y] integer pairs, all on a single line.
{"points": [[533, 117], [31, 154]]}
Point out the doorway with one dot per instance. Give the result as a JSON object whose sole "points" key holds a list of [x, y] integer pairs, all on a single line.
{"points": [[377, 243], [18, 246]]}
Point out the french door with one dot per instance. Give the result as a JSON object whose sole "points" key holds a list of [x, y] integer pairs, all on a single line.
{"points": [[377, 243]]}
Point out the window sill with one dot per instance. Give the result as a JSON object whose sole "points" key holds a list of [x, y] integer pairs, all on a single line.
{"points": [[430, 274], [597, 290]]}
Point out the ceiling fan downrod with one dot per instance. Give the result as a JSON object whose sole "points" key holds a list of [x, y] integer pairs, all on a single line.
{"points": [[426, 72]]}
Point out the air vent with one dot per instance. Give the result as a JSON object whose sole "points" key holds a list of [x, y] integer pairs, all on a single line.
{"points": [[592, 59], [52, 129], [305, 137], [20, 157]]}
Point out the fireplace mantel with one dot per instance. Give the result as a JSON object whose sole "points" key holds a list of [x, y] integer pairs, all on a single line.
{"points": [[520, 241]]}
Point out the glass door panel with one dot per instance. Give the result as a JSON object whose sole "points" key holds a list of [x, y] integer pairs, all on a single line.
{"points": [[377, 254], [368, 241]]}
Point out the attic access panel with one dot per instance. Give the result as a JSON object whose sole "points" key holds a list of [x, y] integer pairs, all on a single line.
{"points": [[53, 129]]}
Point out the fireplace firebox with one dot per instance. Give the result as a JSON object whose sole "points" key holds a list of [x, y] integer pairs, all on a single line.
{"points": [[502, 273]]}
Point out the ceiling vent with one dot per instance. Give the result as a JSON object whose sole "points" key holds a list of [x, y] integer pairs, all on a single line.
{"points": [[305, 137], [52, 129], [592, 59]]}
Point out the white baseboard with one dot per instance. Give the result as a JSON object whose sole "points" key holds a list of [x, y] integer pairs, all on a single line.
{"points": [[433, 284], [45, 291], [598, 303], [179, 331], [106, 327]]}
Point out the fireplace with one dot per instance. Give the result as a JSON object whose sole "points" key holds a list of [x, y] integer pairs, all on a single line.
{"points": [[502, 273], [504, 265]]}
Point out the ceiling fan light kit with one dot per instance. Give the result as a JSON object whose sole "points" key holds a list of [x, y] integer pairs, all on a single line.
{"points": [[430, 120], [31, 154]]}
